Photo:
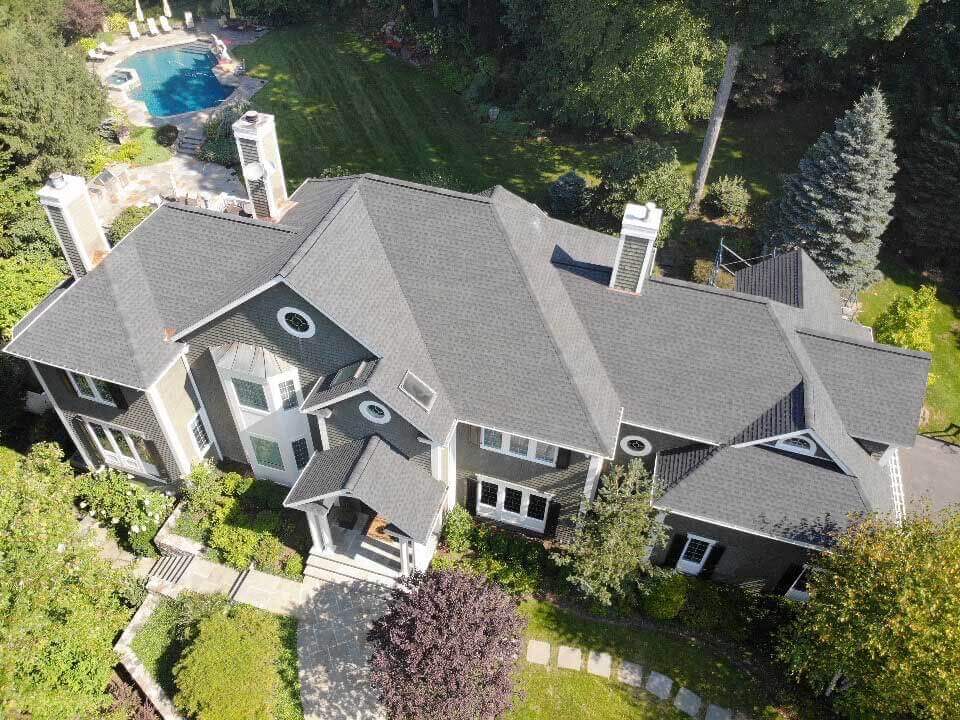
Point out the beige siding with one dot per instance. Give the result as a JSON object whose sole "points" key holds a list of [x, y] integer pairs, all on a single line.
{"points": [[174, 388]]}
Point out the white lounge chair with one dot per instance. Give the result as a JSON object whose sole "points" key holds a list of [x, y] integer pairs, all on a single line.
{"points": [[152, 27], [188, 20], [165, 24], [96, 55], [134, 30], [106, 49]]}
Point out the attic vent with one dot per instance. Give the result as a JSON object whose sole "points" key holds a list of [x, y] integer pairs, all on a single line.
{"points": [[421, 393]]}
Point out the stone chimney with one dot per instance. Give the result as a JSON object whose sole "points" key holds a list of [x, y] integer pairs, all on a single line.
{"points": [[638, 238], [256, 135], [70, 211]]}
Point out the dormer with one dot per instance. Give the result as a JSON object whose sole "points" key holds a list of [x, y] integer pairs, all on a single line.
{"points": [[70, 212], [637, 248]]}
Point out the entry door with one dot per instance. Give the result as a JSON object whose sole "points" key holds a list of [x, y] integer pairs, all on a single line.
{"points": [[512, 504]]}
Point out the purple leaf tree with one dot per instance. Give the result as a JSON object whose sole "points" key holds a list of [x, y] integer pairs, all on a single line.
{"points": [[447, 648]]}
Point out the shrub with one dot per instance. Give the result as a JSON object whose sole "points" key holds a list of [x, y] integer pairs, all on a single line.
{"points": [[458, 529], [117, 23], [703, 272], [87, 43], [229, 672], [236, 544], [128, 151], [662, 597], [413, 655], [516, 562], [267, 554], [293, 566], [82, 17], [568, 195], [728, 197], [132, 511], [126, 221], [166, 135]]}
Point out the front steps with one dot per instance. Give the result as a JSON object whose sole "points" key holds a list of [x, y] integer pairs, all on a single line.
{"points": [[344, 570], [189, 144], [170, 568]]}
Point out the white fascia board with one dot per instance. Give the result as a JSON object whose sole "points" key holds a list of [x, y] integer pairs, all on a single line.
{"points": [[826, 448], [670, 432], [203, 408], [81, 448], [738, 528], [75, 370], [316, 498], [590, 453], [775, 438], [334, 401], [228, 307]]}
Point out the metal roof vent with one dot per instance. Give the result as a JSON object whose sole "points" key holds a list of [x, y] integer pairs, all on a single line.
{"points": [[635, 254]]}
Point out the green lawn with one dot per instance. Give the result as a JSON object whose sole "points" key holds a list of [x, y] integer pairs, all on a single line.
{"points": [[341, 100], [152, 152], [942, 407]]}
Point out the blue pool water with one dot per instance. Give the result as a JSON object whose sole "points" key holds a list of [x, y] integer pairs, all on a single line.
{"points": [[176, 80]]}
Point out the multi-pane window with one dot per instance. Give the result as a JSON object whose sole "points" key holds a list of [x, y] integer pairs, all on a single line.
{"points": [[300, 453], [101, 435], [694, 555], [288, 394], [513, 504], [512, 500], [199, 432], [488, 493], [122, 445], [267, 452], [695, 550], [92, 388], [250, 394], [518, 446], [537, 507]]}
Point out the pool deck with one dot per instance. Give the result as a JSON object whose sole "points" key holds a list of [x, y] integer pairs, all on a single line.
{"points": [[244, 86]]}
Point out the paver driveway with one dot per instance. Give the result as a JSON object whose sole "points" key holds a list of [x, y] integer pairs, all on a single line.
{"points": [[331, 644]]}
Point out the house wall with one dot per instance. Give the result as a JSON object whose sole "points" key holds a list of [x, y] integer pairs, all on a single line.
{"points": [[137, 417], [658, 440], [748, 560], [255, 323], [181, 405], [564, 483]]}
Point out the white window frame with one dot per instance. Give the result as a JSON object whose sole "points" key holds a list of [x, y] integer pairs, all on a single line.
{"points": [[416, 378], [112, 456], [281, 318], [97, 395], [501, 514], [784, 444], [258, 436], [201, 451], [625, 445], [531, 454], [271, 391], [689, 567], [793, 593], [365, 406]]}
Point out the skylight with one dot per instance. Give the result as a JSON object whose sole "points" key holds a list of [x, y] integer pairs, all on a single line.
{"points": [[418, 391]]}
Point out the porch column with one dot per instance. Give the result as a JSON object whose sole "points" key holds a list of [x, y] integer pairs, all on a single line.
{"points": [[407, 564], [591, 482], [319, 525]]}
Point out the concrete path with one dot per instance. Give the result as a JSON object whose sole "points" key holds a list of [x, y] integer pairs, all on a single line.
{"points": [[931, 470]]}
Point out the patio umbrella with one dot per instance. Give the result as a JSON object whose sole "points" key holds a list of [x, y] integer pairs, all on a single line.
{"points": [[139, 11], [233, 11], [166, 9]]}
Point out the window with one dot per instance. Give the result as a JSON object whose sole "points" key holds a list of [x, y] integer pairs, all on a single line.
{"points": [[798, 590], [123, 447], [513, 504], [296, 322], [92, 388], [797, 444], [421, 393], [288, 394], [301, 454], [695, 554], [267, 452], [250, 394], [375, 412], [100, 435], [518, 446], [198, 431], [636, 445], [124, 451]]}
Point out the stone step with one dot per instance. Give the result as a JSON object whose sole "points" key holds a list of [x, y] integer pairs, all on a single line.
{"points": [[381, 552], [235, 588], [170, 568], [320, 567]]}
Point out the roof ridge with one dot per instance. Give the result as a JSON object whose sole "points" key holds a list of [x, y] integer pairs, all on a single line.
{"points": [[433, 189], [870, 345], [313, 235], [280, 227]]}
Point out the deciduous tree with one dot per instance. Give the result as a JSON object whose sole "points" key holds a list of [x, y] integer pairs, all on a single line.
{"points": [[24, 281], [905, 322]]}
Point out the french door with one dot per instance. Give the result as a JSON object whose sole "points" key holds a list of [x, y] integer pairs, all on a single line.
{"points": [[122, 450], [513, 504]]}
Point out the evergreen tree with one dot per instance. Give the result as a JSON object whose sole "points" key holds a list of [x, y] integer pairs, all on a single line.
{"points": [[838, 203], [928, 192]]}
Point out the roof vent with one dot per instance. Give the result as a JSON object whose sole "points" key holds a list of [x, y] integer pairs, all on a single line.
{"points": [[418, 391], [251, 116], [635, 254]]}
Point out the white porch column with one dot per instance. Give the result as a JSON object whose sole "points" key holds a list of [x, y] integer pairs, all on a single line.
{"points": [[591, 482], [449, 477], [319, 525], [406, 566]]}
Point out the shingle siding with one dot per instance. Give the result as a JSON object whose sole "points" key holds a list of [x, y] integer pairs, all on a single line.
{"points": [[659, 442]]}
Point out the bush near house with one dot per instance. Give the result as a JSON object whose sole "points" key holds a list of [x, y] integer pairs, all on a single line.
{"points": [[243, 520], [728, 197], [126, 221], [568, 195]]}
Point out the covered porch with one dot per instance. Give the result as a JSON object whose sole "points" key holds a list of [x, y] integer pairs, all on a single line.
{"points": [[373, 514]]}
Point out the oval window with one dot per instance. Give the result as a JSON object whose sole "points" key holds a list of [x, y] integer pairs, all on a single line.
{"points": [[296, 322], [375, 412], [636, 445]]}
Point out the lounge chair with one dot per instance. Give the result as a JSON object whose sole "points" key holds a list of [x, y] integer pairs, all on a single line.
{"points": [[188, 20], [152, 27], [165, 24], [96, 55], [106, 49], [134, 30]]}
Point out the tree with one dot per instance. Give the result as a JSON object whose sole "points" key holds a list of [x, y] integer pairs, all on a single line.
{"points": [[447, 648], [61, 607], [82, 18], [568, 195], [229, 670], [24, 281], [126, 221], [603, 62], [884, 613], [614, 537], [826, 26], [838, 203], [905, 322]]}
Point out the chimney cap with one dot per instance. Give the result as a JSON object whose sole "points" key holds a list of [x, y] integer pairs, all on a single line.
{"points": [[57, 179], [251, 116]]}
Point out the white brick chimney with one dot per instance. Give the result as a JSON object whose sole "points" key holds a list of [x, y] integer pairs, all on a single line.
{"points": [[70, 212], [635, 254], [256, 135]]}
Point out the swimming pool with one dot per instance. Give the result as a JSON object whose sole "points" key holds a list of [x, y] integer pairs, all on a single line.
{"points": [[176, 80]]}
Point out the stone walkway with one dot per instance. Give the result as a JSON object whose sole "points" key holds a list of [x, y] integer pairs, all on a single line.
{"points": [[657, 684]]}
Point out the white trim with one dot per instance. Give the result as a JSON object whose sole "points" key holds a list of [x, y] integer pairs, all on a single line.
{"points": [[501, 514], [257, 436], [813, 436], [365, 406], [892, 466], [792, 592], [201, 451], [85, 259], [97, 396], [616, 262], [20, 330], [136, 464], [303, 334], [168, 429], [228, 307], [738, 528], [532, 447], [203, 408], [773, 438], [479, 424], [332, 401], [692, 567], [411, 374], [68, 369], [71, 431], [625, 446], [826, 448], [670, 432], [809, 449], [591, 481]]}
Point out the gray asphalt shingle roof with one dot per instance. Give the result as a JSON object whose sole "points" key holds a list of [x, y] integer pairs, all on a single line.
{"points": [[346, 380]]}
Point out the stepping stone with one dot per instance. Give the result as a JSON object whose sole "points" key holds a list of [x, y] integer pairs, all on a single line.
{"points": [[569, 658], [687, 702], [660, 685], [599, 664], [538, 652], [715, 712], [630, 674]]}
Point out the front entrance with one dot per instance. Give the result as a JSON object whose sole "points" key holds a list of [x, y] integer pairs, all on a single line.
{"points": [[264, 394]]}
